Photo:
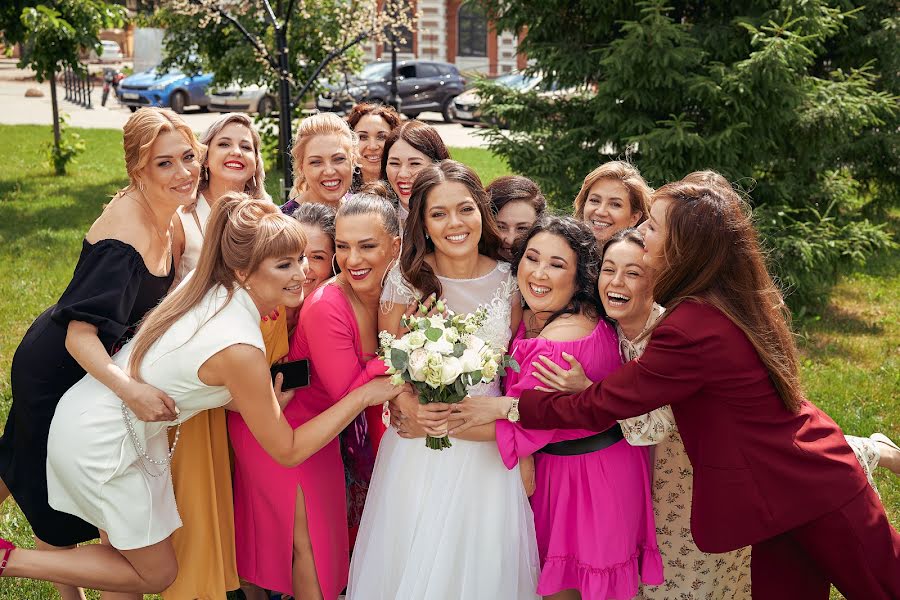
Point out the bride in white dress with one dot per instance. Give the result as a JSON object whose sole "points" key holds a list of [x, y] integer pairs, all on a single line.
{"points": [[452, 524]]}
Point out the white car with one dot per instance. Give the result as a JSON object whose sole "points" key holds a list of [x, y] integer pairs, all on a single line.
{"points": [[110, 52], [250, 99]]}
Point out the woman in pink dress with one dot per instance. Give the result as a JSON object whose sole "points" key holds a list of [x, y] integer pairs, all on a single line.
{"points": [[337, 332], [593, 512]]}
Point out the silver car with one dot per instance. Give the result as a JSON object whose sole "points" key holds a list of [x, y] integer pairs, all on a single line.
{"points": [[250, 99]]}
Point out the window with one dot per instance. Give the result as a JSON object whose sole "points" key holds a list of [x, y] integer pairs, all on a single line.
{"points": [[472, 30], [427, 70], [407, 71]]}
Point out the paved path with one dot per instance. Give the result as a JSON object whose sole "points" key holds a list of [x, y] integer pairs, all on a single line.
{"points": [[16, 109]]}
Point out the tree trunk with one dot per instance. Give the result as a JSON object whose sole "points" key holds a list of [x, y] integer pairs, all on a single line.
{"points": [[55, 117]]}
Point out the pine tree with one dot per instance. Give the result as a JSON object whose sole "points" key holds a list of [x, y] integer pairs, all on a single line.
{"points": [[794, 100]]}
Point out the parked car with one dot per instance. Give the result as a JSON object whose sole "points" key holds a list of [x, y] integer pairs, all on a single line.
{"points": [[174, 90], [251, 99], [110, 51], [467, 106], [422, 85]]}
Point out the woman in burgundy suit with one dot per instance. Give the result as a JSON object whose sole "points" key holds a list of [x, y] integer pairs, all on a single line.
{"points": [[770, 469]]}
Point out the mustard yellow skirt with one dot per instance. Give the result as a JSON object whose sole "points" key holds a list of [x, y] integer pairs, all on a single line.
{"points": [[201, 476]]}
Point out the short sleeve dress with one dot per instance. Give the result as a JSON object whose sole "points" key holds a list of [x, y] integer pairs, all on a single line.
{"points": [[112, 289], [96, 467]]}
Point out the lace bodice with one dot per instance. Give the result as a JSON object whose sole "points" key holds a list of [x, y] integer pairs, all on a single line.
{"points": [[653, 427], [496, 290]]}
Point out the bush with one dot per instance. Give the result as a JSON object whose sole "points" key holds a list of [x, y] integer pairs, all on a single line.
{"points": [[797, 97]]}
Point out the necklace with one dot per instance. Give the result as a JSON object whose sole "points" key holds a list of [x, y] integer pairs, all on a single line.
{"points": [[160, 236], [143, 456]]}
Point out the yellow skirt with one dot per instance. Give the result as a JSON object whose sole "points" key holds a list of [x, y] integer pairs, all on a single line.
{"points": [[201, 476]]}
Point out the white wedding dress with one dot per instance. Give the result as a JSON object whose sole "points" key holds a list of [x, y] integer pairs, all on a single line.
{"points": [[452, 524]]}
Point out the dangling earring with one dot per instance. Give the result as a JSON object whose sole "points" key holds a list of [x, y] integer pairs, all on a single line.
{"points": [[253, 179], [427, 237], [140, 185], [334, 266]]}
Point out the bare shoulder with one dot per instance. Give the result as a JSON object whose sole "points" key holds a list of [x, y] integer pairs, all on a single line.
{"points": [[568, 328], [121, 221]]}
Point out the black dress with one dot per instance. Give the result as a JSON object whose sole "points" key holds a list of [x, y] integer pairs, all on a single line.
{"points": [[111, 289]]}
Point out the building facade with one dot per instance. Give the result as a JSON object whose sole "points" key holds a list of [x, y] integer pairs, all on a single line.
{"points": [[458, 32]]}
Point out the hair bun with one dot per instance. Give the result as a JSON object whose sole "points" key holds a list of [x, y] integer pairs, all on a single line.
{"points": [[376, 188]]}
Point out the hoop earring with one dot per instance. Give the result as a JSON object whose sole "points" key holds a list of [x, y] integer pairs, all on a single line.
{"points": [[357, 170], [255, 186], [387, 272], [334, 267], [140, 185]]}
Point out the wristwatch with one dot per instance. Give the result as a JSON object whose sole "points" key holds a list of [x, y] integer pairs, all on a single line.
{"points": [[513, 415]]}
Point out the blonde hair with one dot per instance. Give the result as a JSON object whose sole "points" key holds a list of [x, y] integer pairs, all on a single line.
{"points": [[623, 172], [241, 233], [142, 130], [255, 187], [312, 126]]}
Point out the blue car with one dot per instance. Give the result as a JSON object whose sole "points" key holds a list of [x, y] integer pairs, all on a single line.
{"points": [[173, 90]]}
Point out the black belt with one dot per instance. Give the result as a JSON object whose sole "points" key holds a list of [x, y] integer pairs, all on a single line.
{"points": [[585, 445]]}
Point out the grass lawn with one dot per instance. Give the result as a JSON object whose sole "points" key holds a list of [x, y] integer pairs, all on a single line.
{"points": [[851, 368]]}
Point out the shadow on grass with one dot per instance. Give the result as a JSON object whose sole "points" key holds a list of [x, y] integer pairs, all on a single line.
{"points": [[19, 219]]}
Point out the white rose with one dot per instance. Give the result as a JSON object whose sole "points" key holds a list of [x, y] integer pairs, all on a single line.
{"points": [[489, 370], [452, 368], [436, 321], [470, 361], [418, 359], [473, 342], [434, 370], [400, 344], [415, 339], [451, 335], [441, 346]]}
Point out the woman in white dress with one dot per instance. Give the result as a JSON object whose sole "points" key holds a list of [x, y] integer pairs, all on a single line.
{"points": [[485, 547], [203, 347]]}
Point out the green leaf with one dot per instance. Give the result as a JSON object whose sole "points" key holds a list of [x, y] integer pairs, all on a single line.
{"points": [[433, 334], [458, 349], [399, 359]]}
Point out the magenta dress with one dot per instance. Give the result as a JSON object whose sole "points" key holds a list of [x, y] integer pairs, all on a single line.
{"points": [[265, 493], [593, 513]]}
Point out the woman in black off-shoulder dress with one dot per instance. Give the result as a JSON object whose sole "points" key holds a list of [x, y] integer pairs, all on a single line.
{"points": [[125, 268]]}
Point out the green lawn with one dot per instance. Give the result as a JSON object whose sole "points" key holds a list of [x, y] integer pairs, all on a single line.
{"points": [[851, 369]]}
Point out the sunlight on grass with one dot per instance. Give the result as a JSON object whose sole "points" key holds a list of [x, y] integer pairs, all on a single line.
{"points": [[851, 354]]}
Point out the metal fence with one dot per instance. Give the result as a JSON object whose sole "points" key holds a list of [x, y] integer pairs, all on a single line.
{"points": [[78, 87]]}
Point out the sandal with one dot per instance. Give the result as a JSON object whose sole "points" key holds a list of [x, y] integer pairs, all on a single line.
{"points": [[883, 439], [6, 548]]}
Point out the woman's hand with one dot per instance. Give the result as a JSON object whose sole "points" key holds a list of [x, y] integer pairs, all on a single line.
{"points": [[480, 410], [406, 403], [381, 390], [434, 418], [558, 379], [148, 403], [284, 396]]}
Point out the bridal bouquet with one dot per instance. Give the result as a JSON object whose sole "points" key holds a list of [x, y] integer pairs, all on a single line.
{"points": [[442, 357]]}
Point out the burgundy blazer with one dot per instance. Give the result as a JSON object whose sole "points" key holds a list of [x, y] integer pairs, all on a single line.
{"points": [[759, 469]]}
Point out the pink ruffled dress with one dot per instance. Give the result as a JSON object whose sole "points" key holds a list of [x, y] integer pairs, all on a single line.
{"points": [[265, 493], [593, 513]]}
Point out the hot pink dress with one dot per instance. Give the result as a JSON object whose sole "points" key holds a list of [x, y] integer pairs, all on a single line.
{"points": [[593, 513], [265, 493]]}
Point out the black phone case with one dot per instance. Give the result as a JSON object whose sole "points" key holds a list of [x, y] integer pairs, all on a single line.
{"points": [[296, 374]]}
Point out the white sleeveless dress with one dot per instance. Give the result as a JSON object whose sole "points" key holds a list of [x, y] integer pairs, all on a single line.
{"points": [[193, 222], [94, 470], [452, 524]]}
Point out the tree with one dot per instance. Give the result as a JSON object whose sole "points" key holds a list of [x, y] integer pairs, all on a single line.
{"points": [[54, 34], [245, 43], [795, 100]]}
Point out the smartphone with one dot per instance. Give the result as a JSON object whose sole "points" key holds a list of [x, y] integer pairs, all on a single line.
{"points": [[296, 374]]}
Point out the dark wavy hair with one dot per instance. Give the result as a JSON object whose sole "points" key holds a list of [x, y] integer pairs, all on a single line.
{"points": [[419, 135], [415, 245], [516, 188], [579, 237], [390, 116], [630, 234]]}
